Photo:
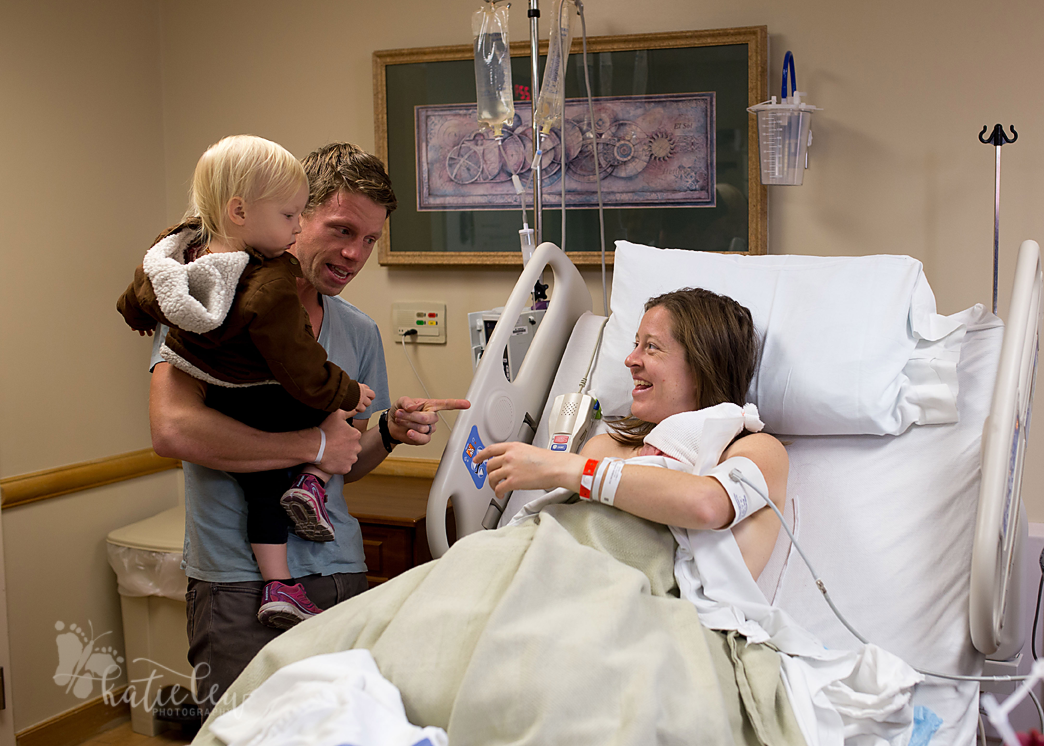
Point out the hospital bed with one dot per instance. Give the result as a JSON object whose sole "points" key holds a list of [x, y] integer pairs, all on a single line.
{"points": [[906, 432]]}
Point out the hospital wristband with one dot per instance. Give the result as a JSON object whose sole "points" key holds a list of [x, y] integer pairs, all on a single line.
{"points": [[322, 447], [602, 480], [613, 474], [587, 479]]}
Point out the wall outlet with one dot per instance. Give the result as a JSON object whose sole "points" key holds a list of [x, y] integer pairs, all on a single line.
{"points": [[428, 320]]}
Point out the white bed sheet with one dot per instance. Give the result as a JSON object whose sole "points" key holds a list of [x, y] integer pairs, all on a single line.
{"points": [[888, 522]]}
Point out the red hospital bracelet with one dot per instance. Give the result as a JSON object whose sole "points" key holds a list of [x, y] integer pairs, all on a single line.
{"points": [[587, 479]]}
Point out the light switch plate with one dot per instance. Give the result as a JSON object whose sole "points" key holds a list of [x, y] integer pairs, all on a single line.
{"points": [[428, 319]]}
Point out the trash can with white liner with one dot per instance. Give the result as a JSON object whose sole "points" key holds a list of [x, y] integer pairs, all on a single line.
{"points": [[146, 557]]}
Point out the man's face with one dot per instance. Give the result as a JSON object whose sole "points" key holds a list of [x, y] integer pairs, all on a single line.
{"points": [[336, 240]]}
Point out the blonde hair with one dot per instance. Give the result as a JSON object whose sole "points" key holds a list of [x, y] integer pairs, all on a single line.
{"points": [[244, 166]]}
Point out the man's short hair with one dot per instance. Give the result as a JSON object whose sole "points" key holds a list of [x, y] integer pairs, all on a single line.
{"points": [[341, 166]]}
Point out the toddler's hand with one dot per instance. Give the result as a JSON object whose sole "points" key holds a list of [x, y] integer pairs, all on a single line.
{"points": [[366, 396]]}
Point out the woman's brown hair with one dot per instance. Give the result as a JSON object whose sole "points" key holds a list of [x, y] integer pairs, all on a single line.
{"points": [[721, 348]]}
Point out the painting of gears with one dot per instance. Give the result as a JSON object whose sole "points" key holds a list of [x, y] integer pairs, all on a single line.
{"points": [[651, 150]]}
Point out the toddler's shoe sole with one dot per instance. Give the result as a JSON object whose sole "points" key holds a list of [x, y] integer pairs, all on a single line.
{"points": [[309, 520], [281, 615]]}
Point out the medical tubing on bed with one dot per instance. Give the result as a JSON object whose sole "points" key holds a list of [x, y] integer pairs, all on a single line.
{"points": [[737, 477], [1036, 612], [594, 148], [594, 356]]}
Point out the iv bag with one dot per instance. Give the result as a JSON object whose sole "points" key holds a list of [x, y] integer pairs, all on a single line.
{"points": [[496, 106], [549, 103]]}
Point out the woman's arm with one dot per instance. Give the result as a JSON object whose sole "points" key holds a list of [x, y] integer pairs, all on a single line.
{"points": [[184, 427], [660, 495]]}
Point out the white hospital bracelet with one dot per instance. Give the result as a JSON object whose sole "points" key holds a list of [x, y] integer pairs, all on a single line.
{"points": [[613, 474], [322, 447], [745, 502], [596, 483]]}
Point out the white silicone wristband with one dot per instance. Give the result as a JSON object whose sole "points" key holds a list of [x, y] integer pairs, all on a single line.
{"points": [[322, 447]]}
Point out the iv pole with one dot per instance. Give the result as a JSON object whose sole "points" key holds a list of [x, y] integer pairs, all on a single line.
{"points": [[998, 139], [534, 52]]}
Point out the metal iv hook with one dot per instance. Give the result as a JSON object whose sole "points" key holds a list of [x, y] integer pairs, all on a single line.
{"points": [[998, 137]]}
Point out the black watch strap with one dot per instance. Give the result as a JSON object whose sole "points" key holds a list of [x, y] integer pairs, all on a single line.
{"points": [[386, 437]]}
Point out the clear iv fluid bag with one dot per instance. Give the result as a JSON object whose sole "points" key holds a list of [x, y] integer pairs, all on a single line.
{"points": [[549, 103], [496, 106]]}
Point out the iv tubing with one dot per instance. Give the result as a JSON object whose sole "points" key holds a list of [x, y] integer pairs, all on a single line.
{"points": [[735, 476], [534, 54], [594, 148]]}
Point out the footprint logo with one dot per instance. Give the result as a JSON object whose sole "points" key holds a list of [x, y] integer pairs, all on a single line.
{"points": [[80, 664]]}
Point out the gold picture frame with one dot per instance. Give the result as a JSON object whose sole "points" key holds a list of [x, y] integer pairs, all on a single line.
{"points": [[733, 63]]}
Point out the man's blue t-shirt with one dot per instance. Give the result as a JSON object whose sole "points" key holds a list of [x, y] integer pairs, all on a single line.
{"points": [[216, 545]]}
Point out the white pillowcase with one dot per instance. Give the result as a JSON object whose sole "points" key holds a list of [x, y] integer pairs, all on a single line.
{"points": [[851, 345]]}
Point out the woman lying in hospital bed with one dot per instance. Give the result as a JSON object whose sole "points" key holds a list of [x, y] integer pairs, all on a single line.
{"points": [[567, 627]]}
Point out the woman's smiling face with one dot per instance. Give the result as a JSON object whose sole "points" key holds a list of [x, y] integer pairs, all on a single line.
{"points": [[663, 383]]}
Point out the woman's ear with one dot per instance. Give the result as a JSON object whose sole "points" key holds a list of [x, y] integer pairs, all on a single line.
{"points": [[236, 210]]}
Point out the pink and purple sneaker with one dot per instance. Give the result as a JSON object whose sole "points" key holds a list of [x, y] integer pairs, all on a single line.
{"points": [[284, 606], [305, 503]]}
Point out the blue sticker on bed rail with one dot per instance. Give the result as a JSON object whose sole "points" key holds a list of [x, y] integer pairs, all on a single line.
{"points": [[473, 446]]}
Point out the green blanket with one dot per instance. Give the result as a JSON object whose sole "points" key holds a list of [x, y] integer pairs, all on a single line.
{"points": [[564, 630]]}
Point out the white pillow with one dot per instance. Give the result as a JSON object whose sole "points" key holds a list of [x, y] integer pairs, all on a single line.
{"points": [[851, 345]]}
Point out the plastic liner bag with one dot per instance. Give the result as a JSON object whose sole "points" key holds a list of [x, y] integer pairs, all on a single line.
{"points": [[140, 572], [496, 105]]}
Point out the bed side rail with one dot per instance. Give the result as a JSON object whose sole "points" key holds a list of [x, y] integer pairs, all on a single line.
{"points": [[503, 410], [1001, 520]]}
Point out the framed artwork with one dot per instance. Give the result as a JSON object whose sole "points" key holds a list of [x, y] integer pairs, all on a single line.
{"points": [[677, 159]]}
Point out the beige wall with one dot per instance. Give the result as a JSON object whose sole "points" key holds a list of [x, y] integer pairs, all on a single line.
{"points": [[81, 194], [109, 104]]}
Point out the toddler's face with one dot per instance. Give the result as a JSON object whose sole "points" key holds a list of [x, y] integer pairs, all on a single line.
{"points": [[271, 225]]}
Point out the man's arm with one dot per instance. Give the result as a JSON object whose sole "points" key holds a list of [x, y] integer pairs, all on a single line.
{"points": [[410, 421], [184, 427]]}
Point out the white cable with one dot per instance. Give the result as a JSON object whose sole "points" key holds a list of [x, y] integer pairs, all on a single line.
{"points": [[415, 373], [594, 354], [736, 476], [594, 149], [1036, 703]]}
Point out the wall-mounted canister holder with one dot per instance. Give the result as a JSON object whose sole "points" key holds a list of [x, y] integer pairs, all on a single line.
{"points": [[784, 132]]}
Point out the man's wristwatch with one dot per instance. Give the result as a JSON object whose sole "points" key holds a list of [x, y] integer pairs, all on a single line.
{"points": [[386, 437]]}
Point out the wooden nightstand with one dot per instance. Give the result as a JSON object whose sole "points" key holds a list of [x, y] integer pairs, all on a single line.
{"points": [[391, 513]]}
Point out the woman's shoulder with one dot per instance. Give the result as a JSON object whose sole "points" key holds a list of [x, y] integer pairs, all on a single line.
{"points": [[603, 446], [760, 444]]}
